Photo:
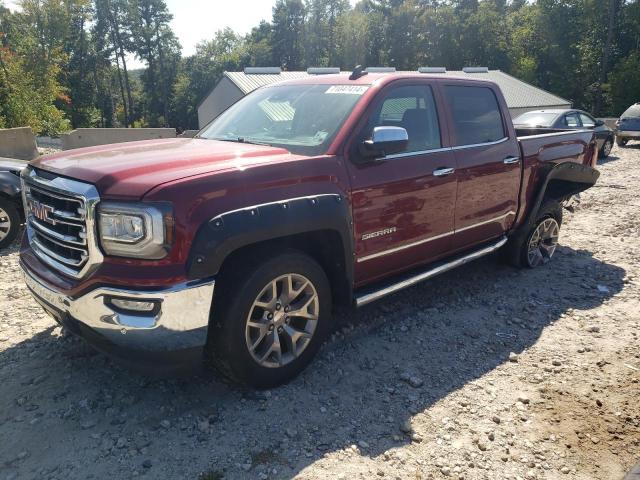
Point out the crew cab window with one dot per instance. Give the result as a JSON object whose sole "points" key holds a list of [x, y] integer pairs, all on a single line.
{"points": [[587, 121], [476, 115], [571, 120], [412, 108]]}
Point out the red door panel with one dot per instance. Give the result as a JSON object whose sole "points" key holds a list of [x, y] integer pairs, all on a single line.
{"points": [[488, 161], [403, 214], [487, 192]]}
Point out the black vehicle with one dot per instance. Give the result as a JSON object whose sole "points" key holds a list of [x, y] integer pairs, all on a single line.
{"points": [[628, 126], [568, 119], [11, 212]]}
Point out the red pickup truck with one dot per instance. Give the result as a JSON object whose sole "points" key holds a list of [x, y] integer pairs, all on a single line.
{"points": [[235, 246]]}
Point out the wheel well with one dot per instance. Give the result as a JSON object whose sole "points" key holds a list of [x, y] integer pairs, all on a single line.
{"points": [[324, 246], [16, 201], [560, 190]]}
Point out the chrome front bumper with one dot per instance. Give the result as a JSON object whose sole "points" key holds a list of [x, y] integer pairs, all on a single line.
{"points": [[179, 322]]}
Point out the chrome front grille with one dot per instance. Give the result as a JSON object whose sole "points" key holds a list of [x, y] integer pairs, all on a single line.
{"points": [[60, 222]]}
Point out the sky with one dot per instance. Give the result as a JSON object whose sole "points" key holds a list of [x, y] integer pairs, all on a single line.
{"points": [[197, 20]]}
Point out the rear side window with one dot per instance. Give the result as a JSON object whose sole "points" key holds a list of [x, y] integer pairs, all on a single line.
{"points": [[476, 115], [412, 108], [571, 120]]}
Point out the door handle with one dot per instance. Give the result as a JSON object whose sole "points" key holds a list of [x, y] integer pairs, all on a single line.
{"points": [[443, 172], [510, 160]]}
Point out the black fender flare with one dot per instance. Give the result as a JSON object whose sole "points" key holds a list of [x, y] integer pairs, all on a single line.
{"points": [[561, 181], [225, 233], [10, 185]]}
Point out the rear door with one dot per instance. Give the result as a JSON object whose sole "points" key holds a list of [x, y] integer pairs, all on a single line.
{"points": [[487, 156], [403, 204]]}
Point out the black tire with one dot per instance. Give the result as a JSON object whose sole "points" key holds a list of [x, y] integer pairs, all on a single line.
{"points": [[228, 348], [605, 150], [9, 222], [517, 248], [621, 142]]}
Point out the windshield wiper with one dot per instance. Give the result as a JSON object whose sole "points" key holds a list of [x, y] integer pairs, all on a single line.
{"points": [[242, 140]]}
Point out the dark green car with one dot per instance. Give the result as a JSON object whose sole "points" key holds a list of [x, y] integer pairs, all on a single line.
{"points": [[568, 119]]}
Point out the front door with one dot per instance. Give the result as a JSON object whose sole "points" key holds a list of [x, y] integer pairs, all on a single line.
{"points": [[487, 155], [403, 204]]}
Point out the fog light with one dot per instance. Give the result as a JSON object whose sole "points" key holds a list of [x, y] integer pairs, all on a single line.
{"points": [[133, 305]]}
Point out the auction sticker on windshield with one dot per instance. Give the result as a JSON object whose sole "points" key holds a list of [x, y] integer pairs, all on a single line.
{"points": [[347, 89]]}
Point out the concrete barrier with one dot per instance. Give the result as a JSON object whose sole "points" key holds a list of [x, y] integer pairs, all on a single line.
{"points": [[188, 133], [88, 137], [609, 122], [18, 143]]}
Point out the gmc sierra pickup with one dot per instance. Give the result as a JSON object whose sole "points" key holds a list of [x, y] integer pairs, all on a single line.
{"points": [[235, 246]]}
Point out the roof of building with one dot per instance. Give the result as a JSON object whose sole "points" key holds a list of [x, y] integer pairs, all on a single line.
{"points": [[518, 94]]}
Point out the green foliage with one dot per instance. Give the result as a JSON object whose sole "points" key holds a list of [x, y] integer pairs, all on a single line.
{"points": [[624, 83], [64, 62]]}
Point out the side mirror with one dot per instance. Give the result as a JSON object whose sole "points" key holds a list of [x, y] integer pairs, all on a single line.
{"points": [[599, 123], [385, 141]]}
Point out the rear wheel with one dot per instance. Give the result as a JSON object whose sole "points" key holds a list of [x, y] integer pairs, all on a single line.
{"points": [[605, 150], [534, 245], [9, 222], [270, 320], [543, 242], [621, 141]]}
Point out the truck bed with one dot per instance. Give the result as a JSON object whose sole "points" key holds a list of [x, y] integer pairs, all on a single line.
{"points": [[556, 145], [541, 151]]}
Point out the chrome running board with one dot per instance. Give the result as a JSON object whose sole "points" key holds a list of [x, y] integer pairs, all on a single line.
{"points": [[368, 295]]}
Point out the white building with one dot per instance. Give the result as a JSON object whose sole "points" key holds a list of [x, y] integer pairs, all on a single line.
{"points": [[520, 96]]}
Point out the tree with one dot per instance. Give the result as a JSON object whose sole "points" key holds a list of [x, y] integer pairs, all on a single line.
{"points": [[155, 43], [624, 83], [288, 30], [30, 57], [112, 28]]}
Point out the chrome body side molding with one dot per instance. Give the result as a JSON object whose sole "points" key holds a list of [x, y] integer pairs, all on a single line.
{"points": [[431, 239]]}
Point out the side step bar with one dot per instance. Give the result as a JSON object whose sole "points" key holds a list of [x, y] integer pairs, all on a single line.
{"points": [[368, 296]]}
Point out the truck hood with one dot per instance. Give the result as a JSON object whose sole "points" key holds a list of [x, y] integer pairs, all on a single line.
{"points": [[129, 170]]}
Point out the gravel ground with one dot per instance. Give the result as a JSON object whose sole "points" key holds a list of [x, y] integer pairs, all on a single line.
{"points": [[483, 373]]}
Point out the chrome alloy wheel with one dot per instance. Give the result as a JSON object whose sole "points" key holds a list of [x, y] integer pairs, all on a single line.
{"points": [[282, 320], [5, 224], [543, 242], [606, 149]]}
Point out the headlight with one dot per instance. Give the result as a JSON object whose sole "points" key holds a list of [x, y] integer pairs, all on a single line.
{"points": [[136, 230]]}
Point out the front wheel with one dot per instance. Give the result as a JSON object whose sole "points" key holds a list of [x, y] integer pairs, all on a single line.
{"points": [[622, 142], [605, 150], [271, 320], [9, 223]]}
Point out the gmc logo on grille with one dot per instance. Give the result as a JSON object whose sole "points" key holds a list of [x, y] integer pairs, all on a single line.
{"points": [[41, 211]]}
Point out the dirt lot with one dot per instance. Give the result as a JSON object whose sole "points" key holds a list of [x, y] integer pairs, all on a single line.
{"points": [[484, 373]]}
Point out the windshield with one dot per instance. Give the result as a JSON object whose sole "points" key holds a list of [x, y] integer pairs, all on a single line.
{"points": [[304, 119], [536, 119], [632, 112]]}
